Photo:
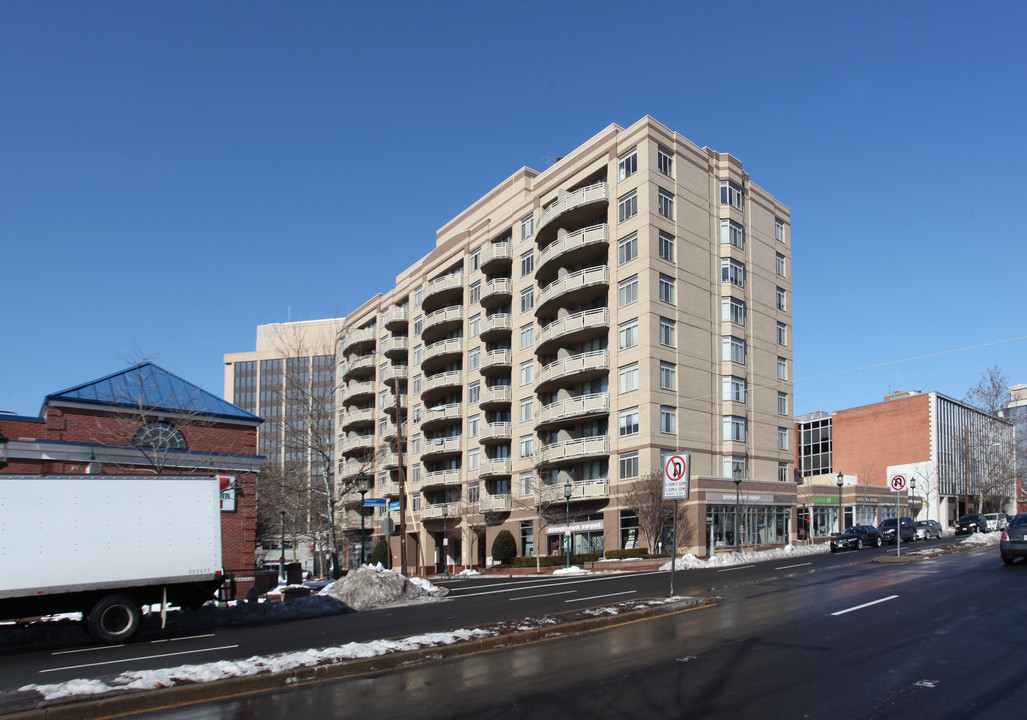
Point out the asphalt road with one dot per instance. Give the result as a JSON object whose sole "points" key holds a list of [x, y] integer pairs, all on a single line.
{"points": [[936, 639]]}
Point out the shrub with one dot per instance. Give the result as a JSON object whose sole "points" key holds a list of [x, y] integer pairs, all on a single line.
{"points": [[380, 554], [504, 547], [555, 560], [621, 554]]}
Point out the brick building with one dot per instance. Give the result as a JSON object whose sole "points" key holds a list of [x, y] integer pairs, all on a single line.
{"points": [[147, 420]]}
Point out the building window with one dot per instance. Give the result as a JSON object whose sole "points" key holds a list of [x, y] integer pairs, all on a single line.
{"points": [[527, 299], [782, 368], [666, 246], [734, 428], [732, 233], [664, 161], [666, 285], [160, 436], [474, 326], [474, 294], [417, 385], [782, 267], [473, 492], [627, 291], [665, 204], [668, 372], [628, 248], [417, 354], [527, 409], [628, 163], [782, 438], [731, 194], [734, 388], [418, 296], [475, 260], [629, 421], [473, 459], [418, 324], [527, 371], [668, 419], [628, 334], [782, 334], [527, 446], [473, 425], [732, 271], [782, 472], [527, 227], [782, 403], [474, 392], [527, 336], [782, 299], [734, 467], [666, 332], [628, 465], [474, 359], [526, 483], [779, 230], [627, 206], [629, 377], [733, 349], [527, 263], [732, 310]]}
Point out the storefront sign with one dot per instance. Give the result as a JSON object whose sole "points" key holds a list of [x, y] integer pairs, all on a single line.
{"points": [[226, 483], [760, 498], [574, 527]]}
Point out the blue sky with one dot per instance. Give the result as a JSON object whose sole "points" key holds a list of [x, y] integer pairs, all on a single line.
{"points": [[174, 174]]}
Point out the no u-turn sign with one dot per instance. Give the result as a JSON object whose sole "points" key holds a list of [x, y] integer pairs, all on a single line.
{"points": [[676, 476]]}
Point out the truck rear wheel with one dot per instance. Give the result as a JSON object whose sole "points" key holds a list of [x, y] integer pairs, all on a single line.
{"points": [[114, 619]]}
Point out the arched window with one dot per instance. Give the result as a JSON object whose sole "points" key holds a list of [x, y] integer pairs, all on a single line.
{"points": [[161, 436]]}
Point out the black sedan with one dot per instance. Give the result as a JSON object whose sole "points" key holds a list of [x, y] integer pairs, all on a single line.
{"points": [[1014, 539], [857, 537], [971, 524]]}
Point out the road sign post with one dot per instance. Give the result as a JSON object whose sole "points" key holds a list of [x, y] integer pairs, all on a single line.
{"points": [[898, 483], [677, 473]]}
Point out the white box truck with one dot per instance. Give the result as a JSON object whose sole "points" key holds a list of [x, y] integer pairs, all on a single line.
{"points": [[106, 545]]}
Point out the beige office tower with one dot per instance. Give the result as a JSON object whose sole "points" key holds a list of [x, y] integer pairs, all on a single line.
{"points": [[569, 331]]}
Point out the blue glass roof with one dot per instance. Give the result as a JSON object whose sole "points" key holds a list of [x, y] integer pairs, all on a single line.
{"points": [[148, 386]]}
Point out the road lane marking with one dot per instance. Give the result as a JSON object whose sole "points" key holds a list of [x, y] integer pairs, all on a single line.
{"points": [[736, 567], [135, 659], [187, 637], [531, 597], [597, 597], [557, 581], [786, 567], [865, 605], [88, 649]]}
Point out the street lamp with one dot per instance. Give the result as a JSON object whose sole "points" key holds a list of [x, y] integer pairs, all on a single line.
{"points": [[362, 481], [840, 482], [738, 505], [281, 560], [445, 529], [912, 496], [567, 531]]}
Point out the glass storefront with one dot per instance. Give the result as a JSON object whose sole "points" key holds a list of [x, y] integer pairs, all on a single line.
{"points": [[757, 525]]}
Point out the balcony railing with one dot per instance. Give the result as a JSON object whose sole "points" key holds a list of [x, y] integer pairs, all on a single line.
{"points": [[352, 418], [446, 282], [394, 373], [571, 200], [574, 365], [449, 346], [594, 235], [581, 490], [590, 277], [495, 468], [497, 394], [442, 413], [453, 314], [590, 319], [498, 289], [497, 359], [358, 366], [496, 323], [441, 446], [357, 442], [494, 252], [453, 378], [583, 405], [396, 316], [494, 503], [395, 344], [353, 390], [495, 431], [446, 478], [357, 337], [576, 449]]}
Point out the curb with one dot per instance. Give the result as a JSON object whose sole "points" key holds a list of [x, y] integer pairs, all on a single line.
{"points": [[120, 702]]}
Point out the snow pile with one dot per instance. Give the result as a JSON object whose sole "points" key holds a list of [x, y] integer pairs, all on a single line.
{"points": [[467, 572], [691, 562], [572, 570], [370, 587], [992, 538]]}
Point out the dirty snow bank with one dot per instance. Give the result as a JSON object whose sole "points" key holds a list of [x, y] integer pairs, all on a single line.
{"points": [[372, 586], [691, 562]]}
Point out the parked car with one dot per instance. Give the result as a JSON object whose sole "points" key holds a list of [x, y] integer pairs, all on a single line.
{"points": [[996, 521], [907, 529], [1014, 539], [968, 524], [926, 529], [857, 537]]}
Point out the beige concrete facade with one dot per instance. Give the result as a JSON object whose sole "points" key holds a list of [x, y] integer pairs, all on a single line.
{"points": [[576, 325]]}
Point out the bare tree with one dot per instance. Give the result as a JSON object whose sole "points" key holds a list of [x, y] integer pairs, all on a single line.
{"points": [[645, 499], [545, 501], [991, 393], [991, 457]]}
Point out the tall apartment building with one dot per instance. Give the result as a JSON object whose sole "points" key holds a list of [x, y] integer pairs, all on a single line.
{"points": [[290, 380], [569, 330]]}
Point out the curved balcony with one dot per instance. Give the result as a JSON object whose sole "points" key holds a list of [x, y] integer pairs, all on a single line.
{"points": [[572, 289], [573, 409], [440, 478], [574, 450], [357, 444], [396, 346], [571, 206], [498, 395], [358, 367], [498, 432], [396, 317], [497, 362], [496, 468], [442, 322], [443, 291], [442, 352], [357, 391], [395, 372], [435, 511], [437, 447], [358, 341], [583, 367], [350, 470], [356, 418], [571, 249], [496, 255], [441, 414], [442, 382], [390, 490], [494, 503], [389, 460], [574, 328], [497, 325], [583, 490], [349, 518], [496, 292]]}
